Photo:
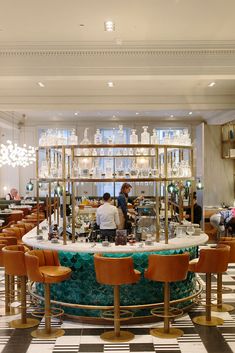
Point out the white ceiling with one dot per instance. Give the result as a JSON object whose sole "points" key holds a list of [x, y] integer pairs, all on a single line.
{"points": [[161, 58]]}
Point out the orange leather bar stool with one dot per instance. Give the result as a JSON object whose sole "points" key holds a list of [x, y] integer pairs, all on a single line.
{"points": [[115, 272], [166, 269], [26, 226], [14, 262], [27, 221], [43, 266], [15, 232], [16, 228], [212, 260], [9, 280], [220, 307]]}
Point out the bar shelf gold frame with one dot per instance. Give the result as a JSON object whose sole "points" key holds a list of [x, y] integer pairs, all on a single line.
{"points": [[165, 156]]}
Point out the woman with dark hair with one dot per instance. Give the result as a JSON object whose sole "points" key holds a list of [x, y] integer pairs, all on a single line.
{"points": [[122, 201]]}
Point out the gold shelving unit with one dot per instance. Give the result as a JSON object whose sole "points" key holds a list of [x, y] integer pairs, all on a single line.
{"points": [[67, 155]]}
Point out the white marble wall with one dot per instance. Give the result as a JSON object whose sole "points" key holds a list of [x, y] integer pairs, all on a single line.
{"points": [[219, 173]]}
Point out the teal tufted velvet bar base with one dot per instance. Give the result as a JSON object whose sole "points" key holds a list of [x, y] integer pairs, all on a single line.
{"points": [[82, 288]]}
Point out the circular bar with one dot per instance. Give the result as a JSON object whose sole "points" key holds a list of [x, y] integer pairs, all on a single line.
{"points": [[83, 289]]}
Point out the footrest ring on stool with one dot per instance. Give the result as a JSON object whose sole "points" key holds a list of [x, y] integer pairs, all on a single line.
{"points": [[124, 315], [55, 312], [173, 312]]}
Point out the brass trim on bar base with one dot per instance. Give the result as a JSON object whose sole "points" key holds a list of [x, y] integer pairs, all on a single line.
{"points": [[124, 336], [160, 332]]}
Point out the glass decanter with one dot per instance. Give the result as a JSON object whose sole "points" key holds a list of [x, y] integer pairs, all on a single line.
{"points": [[85, 141], [97, 137], [133, 137], [73, 139], [154, 138], [120, 136], [145, 136]]}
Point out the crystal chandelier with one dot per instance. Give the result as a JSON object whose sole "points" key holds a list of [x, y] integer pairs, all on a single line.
{"points": [[15, 156]]}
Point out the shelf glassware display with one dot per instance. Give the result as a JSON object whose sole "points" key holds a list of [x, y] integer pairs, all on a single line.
{"points": [[74, 164]]}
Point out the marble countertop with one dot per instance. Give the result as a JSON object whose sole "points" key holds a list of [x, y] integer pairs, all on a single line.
{"points": [[176, 243]]}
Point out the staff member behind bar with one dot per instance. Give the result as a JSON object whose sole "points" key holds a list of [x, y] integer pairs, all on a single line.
{"points": [[197, 211], [122, 205], [107, 219]]}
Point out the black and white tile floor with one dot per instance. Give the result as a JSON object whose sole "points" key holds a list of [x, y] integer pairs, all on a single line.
{"points": [[86, 338]]}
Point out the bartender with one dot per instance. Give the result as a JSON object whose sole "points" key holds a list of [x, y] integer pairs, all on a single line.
{"points": [[107, 219], [122, 202]]}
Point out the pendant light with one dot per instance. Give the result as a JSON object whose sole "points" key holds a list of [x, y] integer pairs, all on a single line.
{"points": [[29, 186]]}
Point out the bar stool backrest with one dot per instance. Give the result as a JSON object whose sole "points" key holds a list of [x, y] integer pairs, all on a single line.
{"points": [[14, 260], [167, 268], [230, 243], [114, 271], [213, 260], [34, 259]]}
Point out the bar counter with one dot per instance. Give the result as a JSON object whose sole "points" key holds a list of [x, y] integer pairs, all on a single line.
{"points": [[83, 290]]}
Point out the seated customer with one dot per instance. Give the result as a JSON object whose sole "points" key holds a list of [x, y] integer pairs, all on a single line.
{"points": [[13, 195], [107, 219], [221, 219]]}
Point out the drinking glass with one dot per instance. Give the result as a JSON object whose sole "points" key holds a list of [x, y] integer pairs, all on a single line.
{"points": [[190, 230]]}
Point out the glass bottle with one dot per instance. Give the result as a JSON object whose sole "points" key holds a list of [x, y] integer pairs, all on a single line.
{"points": [[133, 137], [145, 136], [85, 141], [97, 137], [154, 138], [120, 136], [73, 139]]}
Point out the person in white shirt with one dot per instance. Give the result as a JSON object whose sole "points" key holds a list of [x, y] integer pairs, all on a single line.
{"points": [[107, 219]]}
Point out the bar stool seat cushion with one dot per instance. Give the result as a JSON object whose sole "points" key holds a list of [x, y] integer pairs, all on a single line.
{"points": [[54, 274]]}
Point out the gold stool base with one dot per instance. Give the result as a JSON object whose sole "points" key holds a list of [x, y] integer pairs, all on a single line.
{"points": [[29, 323], [173, 333], [223, 308], [110, 336], [41, 333], [201, 320]]}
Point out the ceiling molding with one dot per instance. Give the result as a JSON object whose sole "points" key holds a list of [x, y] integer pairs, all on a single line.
{"points": [[117, 52]]}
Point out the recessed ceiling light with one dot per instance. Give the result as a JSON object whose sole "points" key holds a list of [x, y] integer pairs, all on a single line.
{"points": [[109, 26], [190, 113], [110, 84], [136, 113], [40, 84], [172, 116], [76, 113], [211, 84]]}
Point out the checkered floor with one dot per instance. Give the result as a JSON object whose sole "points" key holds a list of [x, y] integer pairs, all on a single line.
{"points": [[86, 338]]}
